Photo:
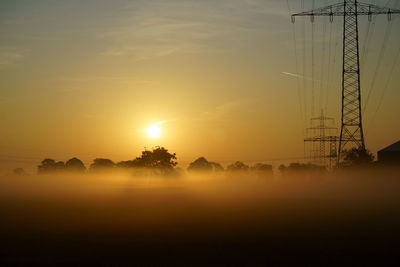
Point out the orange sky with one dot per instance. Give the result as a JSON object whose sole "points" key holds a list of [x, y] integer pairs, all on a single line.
{"points": [[85, 78]]}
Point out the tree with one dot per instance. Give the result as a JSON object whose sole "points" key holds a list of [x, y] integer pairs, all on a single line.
{"points": [[357, 157], [158, 158], [261, 169], [237, 166], [75, 165], [203, 165], [100, 164], [59, 166], [129, 164], [200, 164], [216, 166], [301, 168], [46, 166], [19, 171]]}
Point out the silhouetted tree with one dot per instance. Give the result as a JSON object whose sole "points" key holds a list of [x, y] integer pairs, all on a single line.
{"points": [[216, 166], [200, 164], [203, 165], [262, 169], [237, 166], [128, 164], [19, 171], [158, 158], [59, 166], [75, 165], [100, 164], [357, 157], [46, 166], [301, 168]]}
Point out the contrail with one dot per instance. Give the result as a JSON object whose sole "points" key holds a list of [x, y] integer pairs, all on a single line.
{"points": [[299, 76], [292, 74]]}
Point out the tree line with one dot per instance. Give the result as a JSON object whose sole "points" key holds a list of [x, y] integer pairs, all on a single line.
{"points": [[158, 158], [163, 161]]}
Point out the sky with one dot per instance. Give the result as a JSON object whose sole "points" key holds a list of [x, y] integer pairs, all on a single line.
{"points": [[223, 79]]}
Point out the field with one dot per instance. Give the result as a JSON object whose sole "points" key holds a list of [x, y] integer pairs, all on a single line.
{"points": [[116, 219]]}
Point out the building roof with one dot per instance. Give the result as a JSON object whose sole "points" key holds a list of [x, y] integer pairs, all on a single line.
{"points": [[392, 147]]}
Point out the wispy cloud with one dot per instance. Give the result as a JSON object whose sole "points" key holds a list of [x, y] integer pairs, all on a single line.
{"points": [[228, 108], [82, 83], [10, 56], [161, 28]]}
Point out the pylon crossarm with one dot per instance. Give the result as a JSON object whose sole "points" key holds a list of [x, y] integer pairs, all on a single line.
{"points": [[332, 10], [368, 9], [340, 10]]}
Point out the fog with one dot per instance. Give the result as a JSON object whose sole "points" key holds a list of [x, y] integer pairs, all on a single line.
{"points": [[76, 217]]}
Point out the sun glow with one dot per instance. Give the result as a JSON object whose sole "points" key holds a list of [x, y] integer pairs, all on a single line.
{"points": [[153, 131]]}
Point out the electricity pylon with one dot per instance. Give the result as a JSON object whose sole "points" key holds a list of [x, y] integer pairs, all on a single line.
{"points": [[351, 131], [322, 133]]}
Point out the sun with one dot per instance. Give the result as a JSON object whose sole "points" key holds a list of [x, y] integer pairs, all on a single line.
{"points": [[153, 131]]}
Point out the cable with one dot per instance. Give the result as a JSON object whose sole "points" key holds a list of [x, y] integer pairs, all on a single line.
{"points": [[396, 61], [378, 65], [334, 56], [312, 65], [329, 66], [297, 66], [304, 65], [323, 65], [367, 41], [385, 88]]}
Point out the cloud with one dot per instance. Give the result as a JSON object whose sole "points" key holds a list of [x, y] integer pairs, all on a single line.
{"points": [[9, 57], [161, 28], [68, 84], [223, 110]]}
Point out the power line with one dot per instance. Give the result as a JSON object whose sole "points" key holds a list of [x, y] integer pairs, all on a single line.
{"points": [[322, 66], [304, 64], [391, 72], [334, 57], [329, 67], [379, 63], [312, 63], [297, 67]]}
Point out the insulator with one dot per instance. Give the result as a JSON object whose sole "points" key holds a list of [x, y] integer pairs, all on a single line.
{"points": [[293, 19], [331, 17], [369, 14], [389, 15], [312, 18]]}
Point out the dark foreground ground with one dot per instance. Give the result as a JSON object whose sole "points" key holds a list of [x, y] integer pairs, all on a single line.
{"points": [[213, 221]]}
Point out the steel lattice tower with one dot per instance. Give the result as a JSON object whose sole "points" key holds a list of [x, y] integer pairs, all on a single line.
{"points": [[351, 131], [323, 134]]}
